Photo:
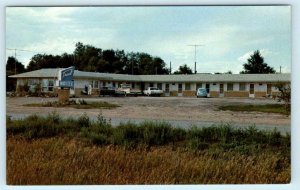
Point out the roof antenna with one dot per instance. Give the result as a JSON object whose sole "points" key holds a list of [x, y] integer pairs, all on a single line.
{"points": [[196, 45]]}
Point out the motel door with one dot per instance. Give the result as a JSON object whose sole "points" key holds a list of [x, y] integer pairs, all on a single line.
{"points": [[269, 89], [221, 90], [251, 91], [207, 86]]}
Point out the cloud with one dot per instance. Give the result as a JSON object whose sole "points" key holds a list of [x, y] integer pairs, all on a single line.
{"points": [[166, 32], [41, 14]]}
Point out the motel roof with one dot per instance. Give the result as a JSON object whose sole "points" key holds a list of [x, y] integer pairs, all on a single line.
{"points": [[53, 73]]}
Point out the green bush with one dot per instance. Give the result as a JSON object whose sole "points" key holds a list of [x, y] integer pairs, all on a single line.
{"points": [[131, 135], [84, 120], [158, 133]]}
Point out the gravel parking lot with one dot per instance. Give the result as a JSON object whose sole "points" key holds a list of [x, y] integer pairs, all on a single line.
{"points": [[178, 110]]}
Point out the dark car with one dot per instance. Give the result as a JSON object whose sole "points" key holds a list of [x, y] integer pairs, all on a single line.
{"points": [[107, 91], [110, 91]]}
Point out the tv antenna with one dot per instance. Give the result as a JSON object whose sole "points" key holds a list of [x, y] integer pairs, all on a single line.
{"points": [[195, 46]]}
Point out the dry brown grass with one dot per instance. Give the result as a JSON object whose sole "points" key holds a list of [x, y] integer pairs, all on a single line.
{"points": [[61, 160]]}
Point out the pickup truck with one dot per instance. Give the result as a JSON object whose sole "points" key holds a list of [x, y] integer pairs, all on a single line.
{"points": [[153, 91], [129, 91]]}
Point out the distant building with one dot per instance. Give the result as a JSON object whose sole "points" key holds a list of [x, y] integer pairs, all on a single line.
{"points": [[217, 85]]}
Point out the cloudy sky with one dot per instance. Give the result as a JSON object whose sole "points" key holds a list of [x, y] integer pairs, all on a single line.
{"points": [[228, 34]]}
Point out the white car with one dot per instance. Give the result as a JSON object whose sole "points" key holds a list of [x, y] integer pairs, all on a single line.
{"points": [[201, 92], [153, 91]]}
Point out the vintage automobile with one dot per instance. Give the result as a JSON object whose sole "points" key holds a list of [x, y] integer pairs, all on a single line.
{"points": [[110, 91], [153, 91], [201, 92]]}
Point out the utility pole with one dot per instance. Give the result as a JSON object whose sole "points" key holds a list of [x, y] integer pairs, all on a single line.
{"points": [[196, 45], [15, 61], [170, 68], [280, 69]]}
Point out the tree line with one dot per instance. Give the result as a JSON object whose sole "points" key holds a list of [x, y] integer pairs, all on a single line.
{"points": [[93, 59]]}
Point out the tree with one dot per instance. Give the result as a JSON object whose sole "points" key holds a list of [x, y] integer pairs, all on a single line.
{"points": [[13, 66], [256, 64], [284, 95], [184, 69], [90, 58]]}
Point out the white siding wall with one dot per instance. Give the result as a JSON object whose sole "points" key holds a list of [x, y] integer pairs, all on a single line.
{"points": [[215, 87], [81, 83], [236, 86], [262, 87], [173, 87], [193, 86]]}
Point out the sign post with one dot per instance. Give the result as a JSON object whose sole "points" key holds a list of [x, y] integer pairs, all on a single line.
{"points": [[65, 82]]}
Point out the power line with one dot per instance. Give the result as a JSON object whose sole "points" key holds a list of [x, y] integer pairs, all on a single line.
{"points": [[15, 49], [196, 45]]}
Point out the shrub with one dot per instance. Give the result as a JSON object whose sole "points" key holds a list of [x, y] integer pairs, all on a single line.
{"points": [[284, 95], [125, 133], [98, 139], [131, 135], [159, 133], [54, 117], [83, 120]]}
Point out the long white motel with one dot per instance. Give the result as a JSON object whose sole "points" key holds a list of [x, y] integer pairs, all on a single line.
{"points": [[217, 85]]}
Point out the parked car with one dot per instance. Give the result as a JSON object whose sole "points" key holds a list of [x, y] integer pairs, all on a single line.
{"points": [[153, 91], [128, 91], [201, 92], [110, 91]]}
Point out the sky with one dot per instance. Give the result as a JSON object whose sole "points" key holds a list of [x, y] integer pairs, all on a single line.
{"points": [[228, 35]]}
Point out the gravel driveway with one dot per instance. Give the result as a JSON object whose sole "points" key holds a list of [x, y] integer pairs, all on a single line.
{"points": [[176, 110]]}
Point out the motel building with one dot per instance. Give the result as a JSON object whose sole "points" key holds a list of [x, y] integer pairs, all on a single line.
{"points": [[217, 85]]}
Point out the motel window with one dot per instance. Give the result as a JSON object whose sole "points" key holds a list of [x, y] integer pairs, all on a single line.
{"points": [[151, 84], [230, 87], [159, 86], [47, 85], [96, 83], [50, 85], [167, 88], [32, 82], [133, 85], [114, 84], [242, 87], [180, 88], [198, 85], [103, 83], [187, 86]]}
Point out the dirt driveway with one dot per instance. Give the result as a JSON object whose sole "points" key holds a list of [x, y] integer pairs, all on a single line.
{"points": [[160, 108]]}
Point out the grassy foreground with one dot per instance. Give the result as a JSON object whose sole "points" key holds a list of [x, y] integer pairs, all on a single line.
{"points": [[268, 108], [52, 150]]}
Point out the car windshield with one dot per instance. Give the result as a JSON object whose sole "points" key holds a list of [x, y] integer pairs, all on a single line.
{"points": [[153, 88]]}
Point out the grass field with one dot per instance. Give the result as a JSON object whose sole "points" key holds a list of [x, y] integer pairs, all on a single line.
{"points": [[52, 150], [268, 108]]}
